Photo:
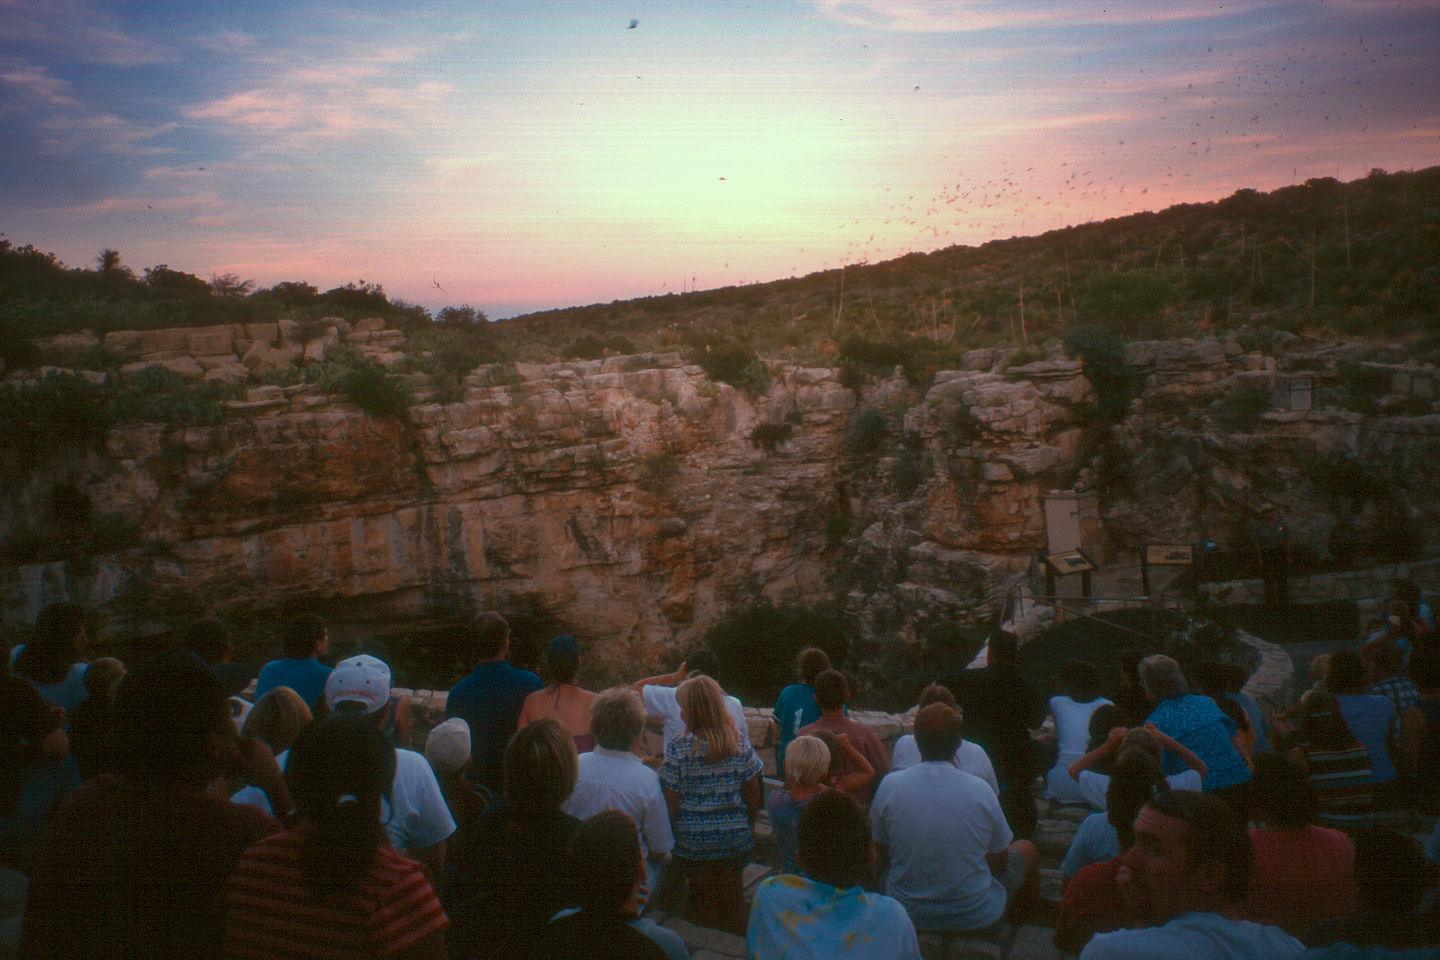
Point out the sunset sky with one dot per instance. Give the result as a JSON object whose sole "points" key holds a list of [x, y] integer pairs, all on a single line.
{"points": [[523, 155]]}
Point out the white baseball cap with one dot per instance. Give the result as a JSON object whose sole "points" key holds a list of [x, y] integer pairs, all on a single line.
{"points": [[448, 746], [363, 679]]}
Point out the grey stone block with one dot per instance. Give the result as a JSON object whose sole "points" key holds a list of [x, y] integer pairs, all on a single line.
{"points": [[1034, 942]]}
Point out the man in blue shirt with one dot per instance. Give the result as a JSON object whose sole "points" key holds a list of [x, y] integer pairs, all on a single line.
{"points": [[489, 698], [303, 642]]}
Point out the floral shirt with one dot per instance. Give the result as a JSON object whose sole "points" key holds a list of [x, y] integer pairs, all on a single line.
{"points": [[711, 822]]}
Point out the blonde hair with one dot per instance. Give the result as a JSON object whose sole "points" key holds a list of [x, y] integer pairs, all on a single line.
{"points": [[702, 705], [277, 718], [807, 761]]}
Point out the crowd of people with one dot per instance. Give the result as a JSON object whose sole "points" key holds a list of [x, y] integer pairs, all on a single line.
{"points": [[159, 812]]}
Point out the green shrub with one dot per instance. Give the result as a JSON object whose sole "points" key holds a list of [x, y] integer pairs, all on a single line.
{"points": [[157, 394], [734, 363], [1240, 409], [866, 432], [1102, 358], [375, 390], [757, 645], [907, 473], [1364, 386], [1124, 295], [62, 410], [1030, 354], [770, 434]]}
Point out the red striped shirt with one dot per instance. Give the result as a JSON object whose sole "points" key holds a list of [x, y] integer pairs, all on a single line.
{"points": [[271, 911]]}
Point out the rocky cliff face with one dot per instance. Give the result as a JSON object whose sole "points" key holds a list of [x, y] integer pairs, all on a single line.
{"points": [[625, 500]]}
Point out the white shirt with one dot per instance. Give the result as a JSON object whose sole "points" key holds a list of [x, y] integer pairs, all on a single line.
{"points": [[414, 816], [939, 823], [619, 780], [1195, 935], [661, 702], [970, 757]]}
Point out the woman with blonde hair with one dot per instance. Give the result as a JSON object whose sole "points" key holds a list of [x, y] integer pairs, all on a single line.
{"points": [[277, 718], [711, 781]]}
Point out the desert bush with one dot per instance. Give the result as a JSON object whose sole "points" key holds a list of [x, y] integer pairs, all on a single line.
{"points": [[734, 363], [1240, 409], [866, 432], [1102, 358], [757, 644], [1363, 385], [770, 434]]}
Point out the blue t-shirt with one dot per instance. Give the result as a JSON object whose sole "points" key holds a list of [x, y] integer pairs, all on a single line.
{"points": [[305, 675], [1095, 841], [1194, 935], [794, 708], [489, 698], [1371, 719], [785, 813], [796, 917]]}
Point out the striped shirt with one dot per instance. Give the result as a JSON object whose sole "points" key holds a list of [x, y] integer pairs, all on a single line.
{"points": [[1341, 779], [272, 911]]}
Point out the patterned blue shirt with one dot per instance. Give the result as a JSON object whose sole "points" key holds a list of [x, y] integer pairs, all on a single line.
{"points": [[796, 918], [711, 822]]}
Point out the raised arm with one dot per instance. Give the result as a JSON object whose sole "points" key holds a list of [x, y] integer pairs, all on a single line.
{"points": [[1106, 749], [662, 679], [1186, 755], [864, 771]]}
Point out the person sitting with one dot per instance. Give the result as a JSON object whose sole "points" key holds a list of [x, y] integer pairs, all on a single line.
{"points": [[135, 865], [31, 736], [1092, 902], [210, 641], [1304, 873], [1149, 738], [832, 691], [447, 750], [711, 780], [1198, 723], [519, 872], [1183, 879], [562, 698], [92, 723], [1211, 679], [971, 757], [277, 718], [1392, 876], [1233, 678], [660, 695], [952, 862], [1284, 723], [1371, 718], [613, 777], [796, 706], [610, 877], [333, 885], [1420, 730], [54, 657], [1337, 765], [827, 913], [1385, 675], [490, 697], [849, 770], [806, 767], [1098, 837], [1072, 711], [303, 641]]}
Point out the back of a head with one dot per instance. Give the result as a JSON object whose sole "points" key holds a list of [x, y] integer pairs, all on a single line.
{"points": [[702, 704], [277, 718], [808, 765], [339, 770], [617, 718], [562, 659], [831, 690], [1133, 781], [484, 637], [938, 731], [1384, 656], [1347, 673], [207, 639], [938, 693], [1130, 663], [812, 662], [1004, 648], [1103, 719], [1391, 871], [168, 709], [1209, 677], [1281, 795], [1235, 676], [1162, 678], [834, 840], [51, 649], [447, 747], [102, 678], [540, 768], [607, 861], [1214, 834], [1141, 739], [702, 660], [1323, 725], [301, 635], [1081, 680]]}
